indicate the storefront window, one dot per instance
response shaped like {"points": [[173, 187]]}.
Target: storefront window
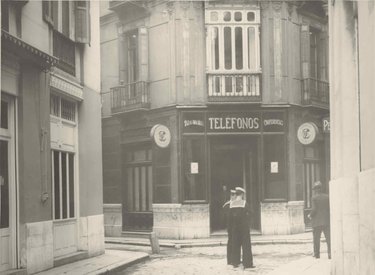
{"points": [[274, 167], [194, 169]]}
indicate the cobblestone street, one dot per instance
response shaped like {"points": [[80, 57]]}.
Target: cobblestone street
{"points": [[212, 260]]}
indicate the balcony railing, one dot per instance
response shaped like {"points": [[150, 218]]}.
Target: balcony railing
{"points": [[234, 87], [315, 92], [130, 97]]}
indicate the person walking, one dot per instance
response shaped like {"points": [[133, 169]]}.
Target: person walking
{"points": [[229, 228], [239, 219], [320, 218]]}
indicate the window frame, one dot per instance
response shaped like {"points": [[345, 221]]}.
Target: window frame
{"points": [[67, 181], [220, 25]]}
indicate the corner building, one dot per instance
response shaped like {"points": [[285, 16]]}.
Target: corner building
{"points": [[50, 135], [203, 96]]}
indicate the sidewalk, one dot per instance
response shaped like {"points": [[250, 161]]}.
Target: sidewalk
{"points": [[216, 240], [306, 266], [111, 261]]}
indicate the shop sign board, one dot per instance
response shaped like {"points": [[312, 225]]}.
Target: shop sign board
{"points": [[273, 122], [193, 122], [326, 125], [233, 122], [307, 133]]}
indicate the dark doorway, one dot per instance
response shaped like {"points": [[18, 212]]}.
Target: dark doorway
{"points": [[234, 162]]}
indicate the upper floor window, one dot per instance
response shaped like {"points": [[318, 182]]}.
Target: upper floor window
{"points": [[233, 40], [70, 23], [63, 108], [318, 66]]}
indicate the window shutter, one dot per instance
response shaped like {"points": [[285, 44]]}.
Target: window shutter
{"points": [[47, 11], [323, 56], [82, 22], [143, 53], [305, 50]]}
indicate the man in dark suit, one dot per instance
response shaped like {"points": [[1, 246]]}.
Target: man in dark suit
{"points": [[320, 219]]}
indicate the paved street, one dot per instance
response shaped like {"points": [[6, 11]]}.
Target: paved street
{"points": [[212, 260]]}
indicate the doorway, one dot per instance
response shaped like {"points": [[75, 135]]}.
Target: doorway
{"points": [[7, 185], [234, 163]]}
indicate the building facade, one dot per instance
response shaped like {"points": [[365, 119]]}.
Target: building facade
{"points": [[51, 169], [203, 96], [352, 40]]}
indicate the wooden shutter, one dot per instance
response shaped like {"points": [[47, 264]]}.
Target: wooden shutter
{"points": [[82, 22], [323, 56], [305, 50], [47, 11], [143, 53]]}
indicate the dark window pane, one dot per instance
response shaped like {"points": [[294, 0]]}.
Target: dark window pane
{"points": [[228, 84], [4, 184], [56, 177], [55, 105], [238, 16], [239, 84], [65, 18], [239, 48], [71, 186], [64, 186], [5, 15], [132, 57], [226, 16], [217, 85], [4, 114], [250, 16], [227, 48], [68, 110], [216, 48]]}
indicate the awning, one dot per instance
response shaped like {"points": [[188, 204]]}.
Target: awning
{"points": [[26, 52]]}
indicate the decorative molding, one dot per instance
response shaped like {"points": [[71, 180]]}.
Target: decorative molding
{"points": [[170, 7], [277, 5], [66, 87]]}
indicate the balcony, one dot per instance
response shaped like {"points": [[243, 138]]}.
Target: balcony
{"points": [[234, 88], [130, 97], [315, 93]]}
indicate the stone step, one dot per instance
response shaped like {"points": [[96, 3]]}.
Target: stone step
{"points": [[70, 258], [21, 271]]}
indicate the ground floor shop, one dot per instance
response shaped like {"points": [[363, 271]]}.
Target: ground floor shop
{"points": [[178, 166]]}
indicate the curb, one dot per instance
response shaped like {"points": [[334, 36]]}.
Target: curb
{"points": [[211, 244], [121, 266]]}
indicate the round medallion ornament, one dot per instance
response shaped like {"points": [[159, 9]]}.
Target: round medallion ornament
{"points": [[161, 135], [307, 133]]}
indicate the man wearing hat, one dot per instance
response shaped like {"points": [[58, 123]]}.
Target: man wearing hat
{"points": [[320, 218], [239, 220], [229, 228]]}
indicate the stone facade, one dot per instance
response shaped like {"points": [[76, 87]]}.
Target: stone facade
{"points": [[352, 192], [113, 220], [181, 221], [281, 218]]}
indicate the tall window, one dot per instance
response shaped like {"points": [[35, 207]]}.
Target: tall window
{"points": [[63, 115], [233, 40], [63, 184], [233, 52], [69, 21]]}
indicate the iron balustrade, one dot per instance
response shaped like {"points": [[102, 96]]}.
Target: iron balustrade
{"points": [[244, 87], [130, 97], [64, 50], [315, 92]]}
